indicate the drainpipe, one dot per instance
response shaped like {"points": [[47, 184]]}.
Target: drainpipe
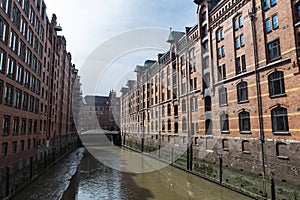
{"points": [[258, 90]]}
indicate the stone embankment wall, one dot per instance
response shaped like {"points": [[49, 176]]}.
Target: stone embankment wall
{"points": [[255, 169]]}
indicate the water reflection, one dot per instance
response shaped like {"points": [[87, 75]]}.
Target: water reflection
{"points": [[96, 181]]}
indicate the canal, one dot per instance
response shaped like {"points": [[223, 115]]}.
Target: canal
{"points": [[94, 180]]}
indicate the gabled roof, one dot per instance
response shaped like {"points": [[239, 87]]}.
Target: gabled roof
{"points": [[174, 36]]}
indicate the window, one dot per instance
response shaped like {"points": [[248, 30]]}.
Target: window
{"points": [[26, 78], [28, 57], [243, 63], [242, 92], [13, 44], [4, 149], [246, 147], [223, 96], [2, 60], [266, 4], [169, 109], [25, 6], [163, 111], [14, 147], [22, 50], [298, 11], [8, 95], [237, 43], [236, 24], [279, 120], [182, 60], [184, 128], [268, 25], [242, 40], [19, 74], [275, 21], [169, 125], [223, 51], [3, 30], [224, 123], [16, 16], [274, 50], [29, 127], [6, 126], [220, 35], [17, 99], [23, 27], [11, 64], [1, 91], [22, 146], [241, 21], [192, 104], [25, 101], [28, 144], [219, 53], [273, 2], [244, 122], [276, 84], [30, 36], [23, 126], [31, 103], [183, 105], [221, 72], [163, 125], [282, 151], [16, 126], [31, 15], [5, 4], [225, 145]]}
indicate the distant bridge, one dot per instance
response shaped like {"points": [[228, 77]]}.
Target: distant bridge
{"points": [[100, 138]]}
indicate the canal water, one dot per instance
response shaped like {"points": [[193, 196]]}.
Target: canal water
{"points": [[95, 181]]}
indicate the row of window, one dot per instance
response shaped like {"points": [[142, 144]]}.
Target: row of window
{"points": [[18, 100], [279, 119], [276, 89], [268, 3], [15, 148], [27, 126]]}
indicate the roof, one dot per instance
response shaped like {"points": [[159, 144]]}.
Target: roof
{"points": [[174, 36]]}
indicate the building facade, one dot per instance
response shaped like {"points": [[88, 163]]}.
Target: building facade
{"points": [[228, 92], [36, 82], [100, 112]]}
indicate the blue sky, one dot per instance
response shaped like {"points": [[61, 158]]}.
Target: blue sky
{"points": [[88, 24]]}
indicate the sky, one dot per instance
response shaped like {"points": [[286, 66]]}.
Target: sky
{"points": [[92, 28]]}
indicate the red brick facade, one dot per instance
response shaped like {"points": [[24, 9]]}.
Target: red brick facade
{"points": [[36, 82]]}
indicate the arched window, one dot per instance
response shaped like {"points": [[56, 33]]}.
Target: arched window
{"points": [[183, 104], [163, 125], [169, 125], [156, 126], [225, 145], [163, 111], [279, 120], [224, 123], [184, 124], [282, 151], [242, 92], [169, 109], [244, 122], [223, 96], [276, 84]]}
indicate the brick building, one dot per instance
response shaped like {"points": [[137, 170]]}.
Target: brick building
{"points": [[36, 82], [100, 112], [227, 89]]}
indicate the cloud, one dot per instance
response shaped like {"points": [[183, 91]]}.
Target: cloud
{"points": [[88, 24]]}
